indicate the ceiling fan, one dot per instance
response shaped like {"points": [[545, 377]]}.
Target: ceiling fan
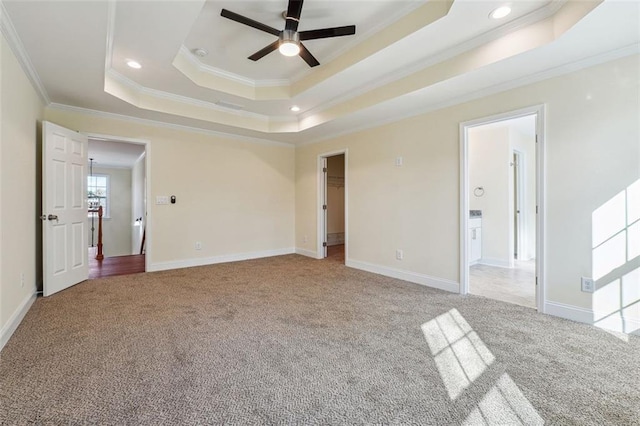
{"points": [[289, 39]]}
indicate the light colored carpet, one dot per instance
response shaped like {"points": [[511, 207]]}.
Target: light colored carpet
{"points": [[292, 340]]}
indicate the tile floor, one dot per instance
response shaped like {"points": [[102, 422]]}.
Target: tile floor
{"points": [[513, 285]]}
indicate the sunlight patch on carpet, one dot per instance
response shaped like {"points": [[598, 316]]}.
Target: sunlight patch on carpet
{"points": [[460, 355], [504, 404]]}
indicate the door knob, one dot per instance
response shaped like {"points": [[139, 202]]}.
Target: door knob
{"points": [[52, 217]]}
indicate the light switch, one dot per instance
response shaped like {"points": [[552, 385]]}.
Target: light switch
{"points": [[398, 161]]}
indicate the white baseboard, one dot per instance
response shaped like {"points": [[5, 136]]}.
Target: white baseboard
{"points": [[617, 322], [500, 263], [10, 327], [413, 277], [305, 252], [188, 263], [570, 312], [614, 322]]}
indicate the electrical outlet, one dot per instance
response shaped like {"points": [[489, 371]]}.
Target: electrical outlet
{"points": [[304, 239], [588, 285], [198, 245], [399, 254], [398, 161], [21, 279]]}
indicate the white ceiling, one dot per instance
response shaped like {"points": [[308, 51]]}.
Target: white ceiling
{"points": [[107, 153], [407, 56]]}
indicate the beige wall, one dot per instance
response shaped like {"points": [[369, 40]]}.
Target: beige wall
{"points": [[233, 196], [20, 115], [117, 228], [489, 158], [592, 134]]}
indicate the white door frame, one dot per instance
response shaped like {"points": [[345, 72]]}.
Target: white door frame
{"points": [[321, 188], [519, 190], [539, 112], [147, 173]]}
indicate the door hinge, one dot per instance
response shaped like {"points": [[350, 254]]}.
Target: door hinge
{"points": [[536, 280], [324, 207], [324, 170], [536, 209], [536, 138], [324, 244]]}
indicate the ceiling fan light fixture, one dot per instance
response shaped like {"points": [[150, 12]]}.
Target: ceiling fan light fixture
{"points": [[500, 12], [289, 43]]}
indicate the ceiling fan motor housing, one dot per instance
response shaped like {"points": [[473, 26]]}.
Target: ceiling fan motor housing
{"points": [[289, 36]]}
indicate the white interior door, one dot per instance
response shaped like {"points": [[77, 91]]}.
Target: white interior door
{"points": [[64, 216]]}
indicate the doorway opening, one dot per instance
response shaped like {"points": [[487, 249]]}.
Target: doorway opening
{"points": [[502, 166], [117, 182], [332, 226]]}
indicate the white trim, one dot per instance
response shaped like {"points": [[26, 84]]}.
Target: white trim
{"points": [[236, 109], [10, 327], [520, 189], [487, 91], [607, 321], [450, 52], [180, 127], [10, 34], [308, 253], [320, 226], [237, 78], [498, 263], [539, 112], [414, 277], [108, 138], [388, 20], [569, 312], [147, 170], [188, 263]]}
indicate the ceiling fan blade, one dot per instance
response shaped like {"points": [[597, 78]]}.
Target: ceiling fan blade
{"points": [[307, 56], [250, 22], [328, 32], [265, 51], [293, 15]]}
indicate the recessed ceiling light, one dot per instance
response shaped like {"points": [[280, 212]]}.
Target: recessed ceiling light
{"points": [[200, 52], [133, 64], [500, 12], [295, 108]]}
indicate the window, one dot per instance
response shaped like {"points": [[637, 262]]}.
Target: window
{"points": [[98, 194]]}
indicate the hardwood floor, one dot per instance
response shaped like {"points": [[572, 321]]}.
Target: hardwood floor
{"points": [[116, 265], [336, 253]]}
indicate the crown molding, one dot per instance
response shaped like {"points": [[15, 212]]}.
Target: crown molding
{"points": [[399, 13], [445, 54], [189, 56], [181, 99], [633, 49], [10, 34], [157, 123]]}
